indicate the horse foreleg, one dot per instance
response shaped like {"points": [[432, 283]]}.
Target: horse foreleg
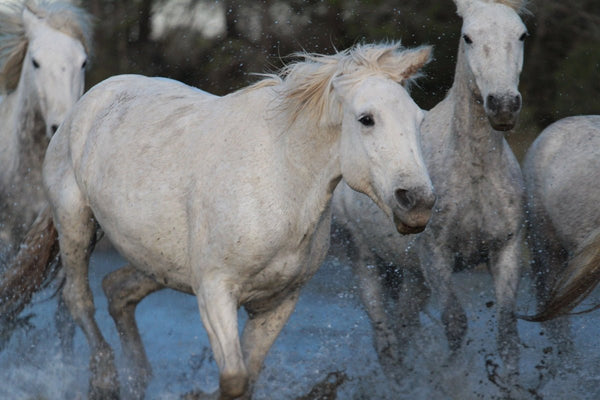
{"points": [[413, 295], [124, 289], [505, 267], [436, 267], [372, 294], [218, 310], [261, 330]]}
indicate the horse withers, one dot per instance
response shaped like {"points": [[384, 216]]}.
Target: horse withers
{"points": [[228, 198]]}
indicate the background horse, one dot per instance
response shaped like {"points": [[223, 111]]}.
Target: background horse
{"points": [[562, 171], [44, 47], [478, 215], [228, 198]]}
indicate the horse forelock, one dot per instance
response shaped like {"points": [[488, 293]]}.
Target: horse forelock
{"points": [[520, 6], [307, 85], [61, 16]]}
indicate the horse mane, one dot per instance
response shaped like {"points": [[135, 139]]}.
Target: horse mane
{"points": [[307, 84], [520, 6], [62, 16]]}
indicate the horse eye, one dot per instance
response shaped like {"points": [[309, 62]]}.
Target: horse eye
{"points": [[35, 63], [523, 37], [367, 120], [84, 64], [467, 39]]}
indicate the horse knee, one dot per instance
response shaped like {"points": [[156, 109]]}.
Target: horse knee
{"points": [[233, 384]]}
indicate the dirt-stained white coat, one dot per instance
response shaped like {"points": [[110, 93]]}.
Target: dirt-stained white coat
{"points": [[228, 197]]}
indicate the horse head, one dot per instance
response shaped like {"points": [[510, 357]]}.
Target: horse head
{"points": [[54, 68], [380, 152], [492, 45]]}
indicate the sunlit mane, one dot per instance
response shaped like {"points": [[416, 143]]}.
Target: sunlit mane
{"points": [[62, 16], [520, 6], [308, 83]]}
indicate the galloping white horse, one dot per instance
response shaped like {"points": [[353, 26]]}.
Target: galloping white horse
{"points": [[228, 198], [562, 171], [478, 215], [43, 53]]}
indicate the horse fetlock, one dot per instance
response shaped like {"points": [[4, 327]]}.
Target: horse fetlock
{"points": [[233, 385], [104, 382], [456, 325]]}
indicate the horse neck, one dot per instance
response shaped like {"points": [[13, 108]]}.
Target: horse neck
{"points": [[29, 129], [312, 158], [471, 133]]}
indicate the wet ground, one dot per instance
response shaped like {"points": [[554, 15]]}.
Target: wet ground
{"points": [[329, 333]]}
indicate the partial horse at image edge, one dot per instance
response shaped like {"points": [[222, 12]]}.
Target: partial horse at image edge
{"points": [[44, 48], [579, 279]]}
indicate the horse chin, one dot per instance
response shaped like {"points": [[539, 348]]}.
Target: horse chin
{"points": [[502, 127], [502, 124], [406, 229]]}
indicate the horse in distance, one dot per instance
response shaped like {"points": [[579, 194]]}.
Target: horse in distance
{"points": [[228, 198], [478, 214], [44, 48]]}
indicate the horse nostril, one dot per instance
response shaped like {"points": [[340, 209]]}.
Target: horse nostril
{"points": [[54, 128], [404, 198], [493, 103], [516, 103]]}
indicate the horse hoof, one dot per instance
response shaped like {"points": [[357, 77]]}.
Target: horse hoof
{"points": [[97, 393]]}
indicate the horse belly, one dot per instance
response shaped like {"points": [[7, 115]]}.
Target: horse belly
{"points": [[153, 239]]}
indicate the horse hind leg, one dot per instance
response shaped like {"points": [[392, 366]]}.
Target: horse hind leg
{"points": [[548, 260], [77, 228], [124, 289]]}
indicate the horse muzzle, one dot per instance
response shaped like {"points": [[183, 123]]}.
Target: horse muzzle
{"points": [[412, 210], [503, 110]]}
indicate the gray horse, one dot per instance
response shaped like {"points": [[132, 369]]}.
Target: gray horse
{"points": [[478, 214], [562, 171]]}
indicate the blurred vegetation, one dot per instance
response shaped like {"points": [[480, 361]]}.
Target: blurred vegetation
{"points": [[561, 75]]}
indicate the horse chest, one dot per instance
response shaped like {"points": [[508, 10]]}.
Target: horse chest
{"points": [[478, 212]]}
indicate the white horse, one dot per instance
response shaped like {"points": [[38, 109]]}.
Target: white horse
{"points": [[44, 48], [228, 198], [478, 215], [562, 171]]}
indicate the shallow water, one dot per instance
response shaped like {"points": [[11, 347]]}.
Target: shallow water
{"points": [[328, 331]]}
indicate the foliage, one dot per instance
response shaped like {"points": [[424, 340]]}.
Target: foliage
{"points": [[560, 76]]}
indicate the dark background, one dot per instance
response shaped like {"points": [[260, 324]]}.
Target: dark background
{"points": [[562, 55]]}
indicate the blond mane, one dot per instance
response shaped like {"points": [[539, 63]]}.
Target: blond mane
{"points": [[307, 84], [62, 16], [520, 6]]}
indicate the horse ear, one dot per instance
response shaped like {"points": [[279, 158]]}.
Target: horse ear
{"points": [[463, 5], [413, 60], [30, 20]]}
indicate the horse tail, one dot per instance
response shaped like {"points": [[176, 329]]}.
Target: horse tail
{"points": [[33, 268], [576, 282]]}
